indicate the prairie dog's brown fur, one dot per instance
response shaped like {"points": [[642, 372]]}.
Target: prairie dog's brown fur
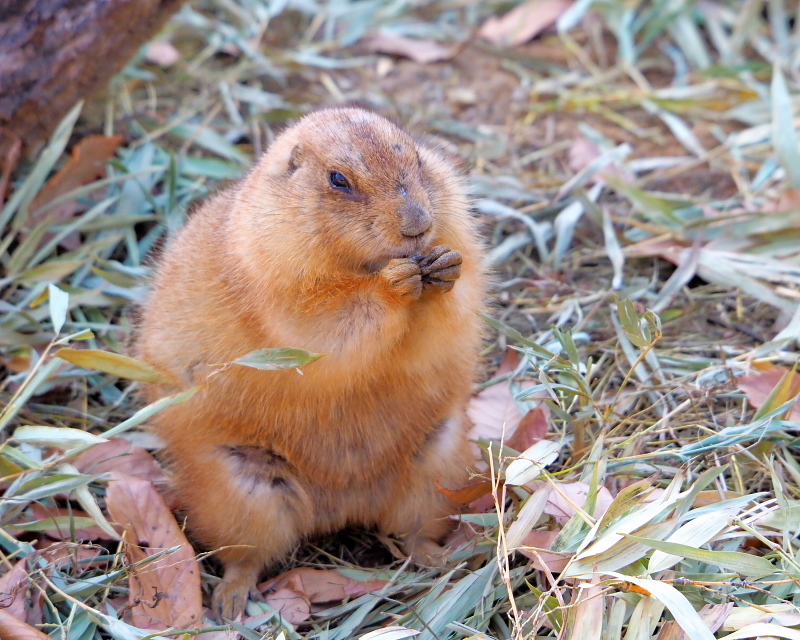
{"points": [[320, 247]]}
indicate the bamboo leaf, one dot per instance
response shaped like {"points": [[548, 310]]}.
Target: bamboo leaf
{"points": [[113, 363], [275, 359], [742, 563]]}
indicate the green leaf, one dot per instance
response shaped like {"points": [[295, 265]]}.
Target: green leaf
{"points": [[742, 563], [60, 523], [784, 134], [61, 437], [113, 363], [275, 359], [390, 633]]}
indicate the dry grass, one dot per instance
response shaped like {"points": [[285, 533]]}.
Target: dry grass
{"points": [[637, 172]]}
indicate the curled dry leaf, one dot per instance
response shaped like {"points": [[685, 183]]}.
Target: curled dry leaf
{"points": [[12, 628], [524, 22], [118, 454], [165, 592], [421, 51], [467, 494], [762, 382]]}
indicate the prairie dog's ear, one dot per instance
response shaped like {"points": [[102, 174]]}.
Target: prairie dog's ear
{"points": [[295, 156]]}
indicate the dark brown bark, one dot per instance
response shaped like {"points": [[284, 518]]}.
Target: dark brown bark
{"points": [[56, 52]]}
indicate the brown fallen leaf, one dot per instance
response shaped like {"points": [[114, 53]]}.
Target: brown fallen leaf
{"points": [[567, 495], [12, 628], [322, 585], [714, 615], [713, 496], [759, 384], [294, 592], [463, 536], [60, 554], [494, 413], [666, 246], [533, 427], [584, 151], [293, 606], [14, 587], [421, 51], [87, 164], [42, 512], [524, 22], [788, 200], [118, 454], [165, 592], [538, 542], [11, 148], [466, 494]]}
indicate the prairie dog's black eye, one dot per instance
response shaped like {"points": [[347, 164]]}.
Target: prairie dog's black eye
{"points": [[338, 181]]}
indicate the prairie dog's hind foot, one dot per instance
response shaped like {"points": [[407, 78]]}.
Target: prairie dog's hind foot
{"points": [[440, 268], [403, 277], [230, 596]]}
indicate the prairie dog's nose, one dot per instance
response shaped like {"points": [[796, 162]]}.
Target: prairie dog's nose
{"points": [[414, 219]]}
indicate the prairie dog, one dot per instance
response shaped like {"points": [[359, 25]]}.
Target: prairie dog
{"points": [[349, 239]]}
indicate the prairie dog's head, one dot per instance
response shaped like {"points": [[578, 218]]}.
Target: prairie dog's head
{"points": [[360, 183]]}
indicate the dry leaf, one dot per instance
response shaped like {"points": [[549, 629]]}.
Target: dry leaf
{"points": [[322, 585], [13, 589], [759, 384], [464, 535], [293, 592], [566, 494], [12, 628], [293, 606], [118, 454], [494, 413], [524, 22], [788, 200], [163, 54], [533, 427], [87, 164], [166, 592], [467, 494], [541, 539], [60, 554], [714, 615], [421, 51], [582, 152], [666, 246]]}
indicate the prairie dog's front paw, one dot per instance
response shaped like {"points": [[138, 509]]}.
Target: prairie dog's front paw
{"points": [[403, 277], [440, 268]]}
